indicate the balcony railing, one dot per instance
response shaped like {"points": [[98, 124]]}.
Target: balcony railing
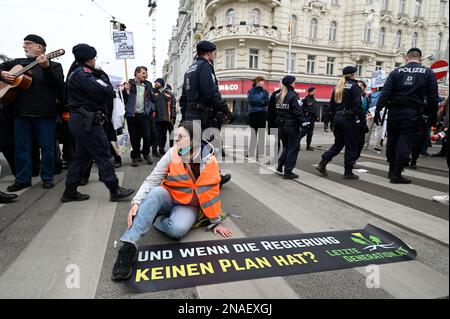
{"points": [[251, 31]]}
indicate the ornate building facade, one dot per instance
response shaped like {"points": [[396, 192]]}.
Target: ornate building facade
{"points": [[313, 40]]}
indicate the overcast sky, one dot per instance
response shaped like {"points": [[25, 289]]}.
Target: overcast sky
{"points": [[65, 23]]}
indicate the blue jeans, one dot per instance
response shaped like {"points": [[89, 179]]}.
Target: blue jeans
{"points": [[44, 130], [174, 220]]}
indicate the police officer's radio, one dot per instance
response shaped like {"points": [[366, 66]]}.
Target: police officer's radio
{"points": [[23, 79]]}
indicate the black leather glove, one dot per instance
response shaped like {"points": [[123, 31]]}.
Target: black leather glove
{"points": [[377, 118]]}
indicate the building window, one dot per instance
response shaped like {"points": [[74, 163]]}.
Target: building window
{"points": [[335, 3], [311, 64], [293, 27], [254, 57], [330, 66], [442, 7], [291, 67], [379, 66], [382, 37], [385, 5], [359, 69], [439, 42], [333, 31], [229, 58], [368, 32], [418, 8], [231, 17], [255, 17], [398, 39], [414, 39], [313, 28], [401, 6]]}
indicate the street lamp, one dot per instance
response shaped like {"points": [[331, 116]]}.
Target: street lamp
{"points": [[191, 30]]}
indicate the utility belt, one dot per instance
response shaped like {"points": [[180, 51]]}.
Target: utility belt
{"points": [[346, 112], [97, 118], [206, 114]]}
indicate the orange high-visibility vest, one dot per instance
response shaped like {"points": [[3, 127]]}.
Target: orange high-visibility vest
{"points": [[207, 187]]}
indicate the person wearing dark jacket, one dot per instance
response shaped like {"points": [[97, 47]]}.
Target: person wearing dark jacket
{"points": [[162, 117], [258, 99], [88, 92], [173, 112], [346, 105], [309, 104], [35, 112], [201, 99], [289, 118], [139, 106], [404, 92]]}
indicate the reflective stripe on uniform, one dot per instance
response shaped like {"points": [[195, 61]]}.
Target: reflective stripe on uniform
{"points": [[203, 189], [212, 201], [187, 190], [178, 178]]}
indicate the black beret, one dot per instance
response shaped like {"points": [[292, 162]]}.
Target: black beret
{"points": [[84, 52], [288, 80], [161, 82], [349, 70], [311, 89], [36, 39], [414, 50], [205, 46]]}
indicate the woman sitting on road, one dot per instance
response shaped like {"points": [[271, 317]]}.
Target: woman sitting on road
{"points": [[183, 188]]}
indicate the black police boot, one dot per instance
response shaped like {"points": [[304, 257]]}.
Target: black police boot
{"points": [[280, 168], [322, 167], [72, 195], [123, 267], [348, 174], [413, 164], [290, 175], [7, 198], [309, 148], [135, 162], [120, 193], [391, 171], [224, 179], [397, 177], [149, 159]]}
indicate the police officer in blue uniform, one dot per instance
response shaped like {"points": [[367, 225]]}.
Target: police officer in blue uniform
{"points": [[88, 91], [404, 93], [200, 98], [345, 103], [289, 118]]}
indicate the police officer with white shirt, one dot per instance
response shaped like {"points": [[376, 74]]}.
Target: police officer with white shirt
{"points": [[404, 92]]}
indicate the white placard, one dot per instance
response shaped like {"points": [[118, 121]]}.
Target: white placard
{"points": [[123, 45], [378, 78]]}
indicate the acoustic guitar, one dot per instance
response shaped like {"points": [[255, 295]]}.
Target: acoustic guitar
{"points": [[23, 79]]}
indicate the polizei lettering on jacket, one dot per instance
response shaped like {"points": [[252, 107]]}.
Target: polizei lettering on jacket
{"points": [[412, 70], [282, 106]]}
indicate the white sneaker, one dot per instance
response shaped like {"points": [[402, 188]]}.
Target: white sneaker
{"points": [[441, 199]]}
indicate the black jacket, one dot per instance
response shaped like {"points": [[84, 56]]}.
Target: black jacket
{"points": [[408, 86], [351, 100], [89, 88], [164, 106], [309, 104], [289, 112], [46, 86], [201, 86]]}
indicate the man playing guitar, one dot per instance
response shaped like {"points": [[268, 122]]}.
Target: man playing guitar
{"points": [[35, 111]]}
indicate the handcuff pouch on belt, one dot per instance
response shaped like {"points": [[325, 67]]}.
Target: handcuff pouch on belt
{"points": [[92, 118]]}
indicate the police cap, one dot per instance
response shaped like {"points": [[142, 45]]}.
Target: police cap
{"points": [[36, 39], [205, 46], [84, 52], [288, 80], [349, 70]]}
